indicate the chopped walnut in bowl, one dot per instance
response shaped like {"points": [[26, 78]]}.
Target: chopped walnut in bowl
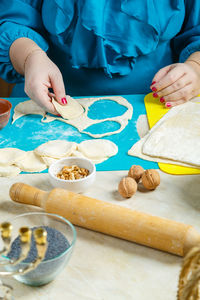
{"points": [[72, 173], [75, 174]]}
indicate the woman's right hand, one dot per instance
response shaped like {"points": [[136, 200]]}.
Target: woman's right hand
{"points": [[41, 74]]}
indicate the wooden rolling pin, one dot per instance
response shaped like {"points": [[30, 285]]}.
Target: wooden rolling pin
{"points": [[111, 219]]}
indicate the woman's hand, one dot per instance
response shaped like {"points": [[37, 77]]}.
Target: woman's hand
{"points": [[41, 74], [177, 83]]}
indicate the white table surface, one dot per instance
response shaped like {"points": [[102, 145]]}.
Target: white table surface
{"points": [[103, 267]]}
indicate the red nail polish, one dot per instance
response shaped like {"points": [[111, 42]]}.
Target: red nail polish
{"points": [[168, 104], [64, 100], [155, 95], [154, 89], [162, 99], [153, 82]]}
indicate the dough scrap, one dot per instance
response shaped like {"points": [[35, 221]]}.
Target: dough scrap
{"points": [[56, 149], [27, 108], [70, 111], [98, 149], [8, 156], [31, 163], [9, 171], [82, 121], [179, 112]]}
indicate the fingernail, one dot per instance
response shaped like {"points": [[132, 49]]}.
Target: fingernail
{"points": [[154, 89], [153, 82], [155, 95], [162, 99], [64, 100], [168, 104]]}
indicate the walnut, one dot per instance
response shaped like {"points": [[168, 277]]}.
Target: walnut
{"points": [[72, 173], [136, 172], [127, 187], [151, 179]]}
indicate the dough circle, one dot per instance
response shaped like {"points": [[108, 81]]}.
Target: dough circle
{"points": [[70, 111], [56, 149]]}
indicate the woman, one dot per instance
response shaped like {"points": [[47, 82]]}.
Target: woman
{"points": [[101, 47]]}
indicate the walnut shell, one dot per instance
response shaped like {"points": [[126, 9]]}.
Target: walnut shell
{"points": [[136, 172], [151, 179], [127, 187]]}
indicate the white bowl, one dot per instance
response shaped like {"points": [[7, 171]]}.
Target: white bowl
{"points": [[77, 185]]}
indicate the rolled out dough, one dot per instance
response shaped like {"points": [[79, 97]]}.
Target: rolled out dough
{"points": [[166, 140], [81, 121], [27, 108], [178, 137]]}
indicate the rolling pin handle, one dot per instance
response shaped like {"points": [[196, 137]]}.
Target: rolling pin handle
{"points": [[26, 194]]}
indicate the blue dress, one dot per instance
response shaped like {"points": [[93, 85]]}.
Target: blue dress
{"points": [[102, 46]]}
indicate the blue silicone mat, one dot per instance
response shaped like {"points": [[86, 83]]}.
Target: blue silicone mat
{"points": [[29, 132]]}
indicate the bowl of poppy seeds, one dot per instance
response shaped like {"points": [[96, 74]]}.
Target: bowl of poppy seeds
{"points": [[61, 238]]}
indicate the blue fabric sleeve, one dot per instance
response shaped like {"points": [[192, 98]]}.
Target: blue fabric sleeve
{"points": [[18, 18], [188, 41]]}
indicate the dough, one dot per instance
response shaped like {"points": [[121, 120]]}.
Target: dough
{"points": [[98, 149], [9, 171], [70, 111], [56, 149], [136, 150], [82, 121], [8, 156], [168, 144], [48, 160], [96, 161], [178, 137], [31, 163], [26, 108], [142, 126]]}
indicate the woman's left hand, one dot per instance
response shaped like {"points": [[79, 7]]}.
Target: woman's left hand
{"points": [[177, 83]]}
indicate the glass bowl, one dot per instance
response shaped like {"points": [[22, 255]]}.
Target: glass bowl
{"points": [[48, 269]]}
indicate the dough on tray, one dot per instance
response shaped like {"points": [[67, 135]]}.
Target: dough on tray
{"points": [[56, 149], [31, 162], [175, 138], [70, 111], [8, 156], [178, 138]]}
